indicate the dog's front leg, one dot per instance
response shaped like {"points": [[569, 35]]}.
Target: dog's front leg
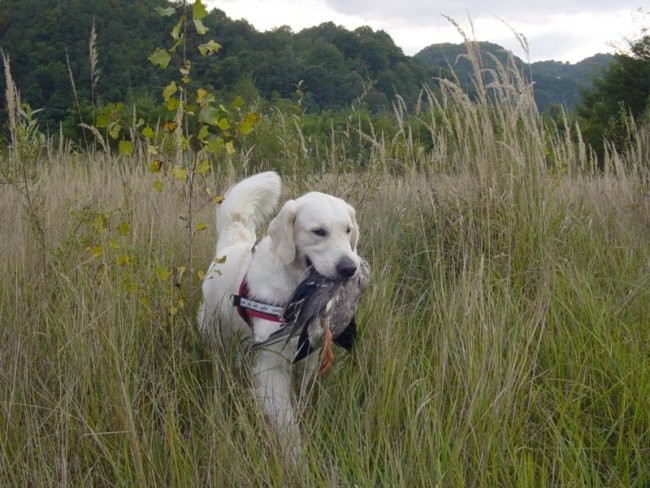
{"points": [[273, 392]]}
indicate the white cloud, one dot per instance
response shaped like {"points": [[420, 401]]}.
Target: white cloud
{"points": [[567, 30], [298, 14], [563, 37], [421, 12]]}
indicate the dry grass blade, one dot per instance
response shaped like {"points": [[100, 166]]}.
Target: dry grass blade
{"points": [[94, 62]]}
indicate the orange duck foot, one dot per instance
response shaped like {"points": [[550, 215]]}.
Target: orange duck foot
{"points": [[326, 353]]}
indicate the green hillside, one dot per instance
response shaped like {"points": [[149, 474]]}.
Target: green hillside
{"points": [[556, 82], [41, 36], [334, 64], [48, 44]]}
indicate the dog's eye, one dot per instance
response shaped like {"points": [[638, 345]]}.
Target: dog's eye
{"points": [[348, 230], [319, 232]]}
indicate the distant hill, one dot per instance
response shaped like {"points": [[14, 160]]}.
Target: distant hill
{"points": [[41, 37], [556, 82], [561, 82]]}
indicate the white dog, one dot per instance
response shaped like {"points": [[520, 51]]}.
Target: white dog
{"points": [[316, 230]]}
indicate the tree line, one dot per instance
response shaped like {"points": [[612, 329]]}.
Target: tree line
{"points": [[332, 67]]}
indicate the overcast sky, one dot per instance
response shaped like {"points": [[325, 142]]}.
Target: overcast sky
{"points": [[563, 30]]}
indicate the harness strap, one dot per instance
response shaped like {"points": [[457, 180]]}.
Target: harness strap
{"points": [[249, 308]]}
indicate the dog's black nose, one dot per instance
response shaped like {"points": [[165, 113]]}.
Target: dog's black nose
{"points": [[346, 267]]}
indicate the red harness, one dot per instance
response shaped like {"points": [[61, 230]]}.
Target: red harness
{"points": [[249, 308]]}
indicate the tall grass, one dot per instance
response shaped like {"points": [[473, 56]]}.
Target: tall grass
{"points": [[505, 339]]}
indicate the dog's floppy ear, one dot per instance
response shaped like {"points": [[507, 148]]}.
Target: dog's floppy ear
{"points": [[355, 228], [281, 232]]}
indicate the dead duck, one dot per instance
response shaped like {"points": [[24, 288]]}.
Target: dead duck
{"points": [[321, 312]]}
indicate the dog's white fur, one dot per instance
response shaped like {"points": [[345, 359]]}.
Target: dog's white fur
{"points": [[316, 228]]}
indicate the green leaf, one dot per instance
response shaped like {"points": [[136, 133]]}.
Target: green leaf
{"points": [[209, 47], [165, 12], [96, 251], [100, 222], [162, 272], [171, 104], [201, 94], [198, 10], [101, 121], [201, 226], [203, 132], [148, 132], [238, 102], [223, 124], [200, 28], [160, 58], [185, 143], [129, 286], [125, 147], [123, 228], [157, 186], [169, 90], [114, 130], [246, 126], [176, 44], [209, 115], [203, 167], [175, 33], [214, 145], [203, 97], [230, 148], [179, 173]]}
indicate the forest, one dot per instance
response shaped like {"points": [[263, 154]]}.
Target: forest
{"points": [[48, 44]]}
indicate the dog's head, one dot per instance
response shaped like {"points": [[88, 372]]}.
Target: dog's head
{"points": [[317, 230]]}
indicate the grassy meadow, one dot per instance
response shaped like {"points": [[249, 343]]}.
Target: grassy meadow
{"points": [[504, 339]]}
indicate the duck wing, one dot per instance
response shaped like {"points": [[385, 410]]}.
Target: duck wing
{"points": [[307, 302], [321, 302]]}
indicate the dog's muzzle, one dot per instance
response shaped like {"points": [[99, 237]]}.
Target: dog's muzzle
{"points": [[346, 267]]}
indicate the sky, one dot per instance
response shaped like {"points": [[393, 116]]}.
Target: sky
{"points": [[561, 30]]}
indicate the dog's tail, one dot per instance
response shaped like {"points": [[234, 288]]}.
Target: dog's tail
{"points": [[245, 206]]}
